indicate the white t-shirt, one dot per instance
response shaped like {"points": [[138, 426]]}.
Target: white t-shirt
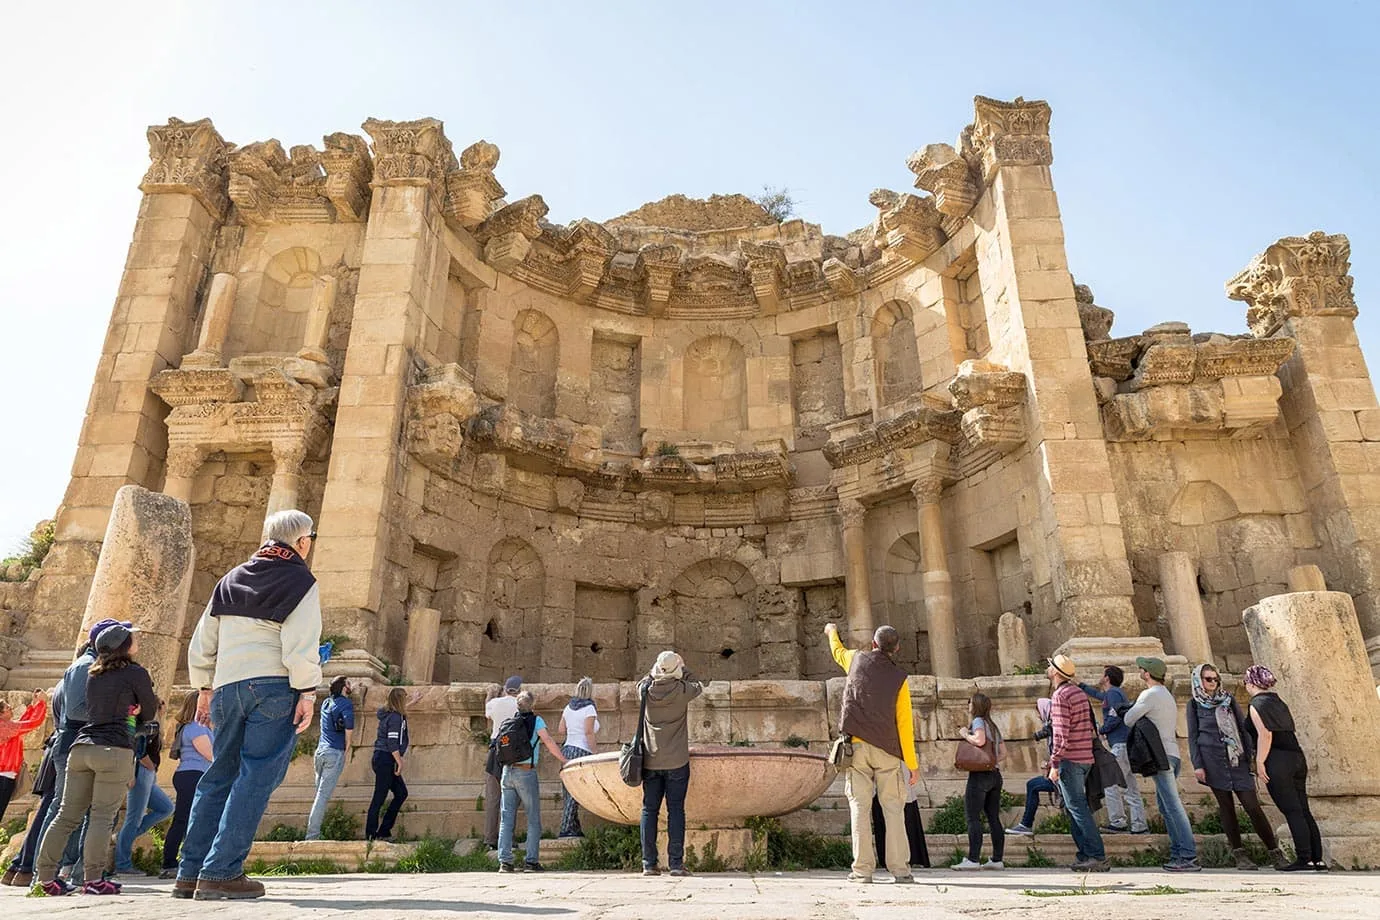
{"points": [[499, 710], [575, 735]]}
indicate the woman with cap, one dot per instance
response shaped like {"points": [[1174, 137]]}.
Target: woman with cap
{"points": [[1221, 751], [1281, 766], [668, 690], [580, 725], [100, 766]]}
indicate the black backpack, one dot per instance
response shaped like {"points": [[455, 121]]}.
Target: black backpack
{"points": [[513, 743]]}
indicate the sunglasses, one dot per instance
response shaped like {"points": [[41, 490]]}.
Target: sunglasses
{"points": [[311, 536], [1209, 680]]}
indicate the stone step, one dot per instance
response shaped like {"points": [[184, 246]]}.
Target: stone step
{"points": [[39, 668]]}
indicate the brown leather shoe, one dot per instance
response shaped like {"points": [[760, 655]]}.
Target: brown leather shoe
{"points": [[184, 888], [232, 889], [22, 879]]}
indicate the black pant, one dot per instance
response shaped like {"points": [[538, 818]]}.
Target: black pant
{"points": [[1288, 786], [1232, 827], [983, 796], [915, 834], [6, 792], [386, 780], [184, 786], [24, 862]]}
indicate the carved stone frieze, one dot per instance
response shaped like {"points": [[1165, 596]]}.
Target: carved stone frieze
{"points": [[189, 157], [268, 186], [982, 383], [945, 174], [1114, 358], [841, 278], [349, 173], [283, 412], [1165, 362], [1296, 277], [659, 264], [472, 189], [1243, 357], [187, 387], [905, 430], [1010, 134], [411, 153]]}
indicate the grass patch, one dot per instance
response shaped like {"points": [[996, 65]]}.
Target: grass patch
{"points": [[1148, 858], [1035, 858], [339, 824], [1159, 889], [1080, 891], [790, 851], [956, 857], [795, 741], [285, 833], [610, 848], [1056, 823], [1009, 800], [707, 861], [294, 867], [437, 854], [948, 818]]}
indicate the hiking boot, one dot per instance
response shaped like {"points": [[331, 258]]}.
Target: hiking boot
{"points": [[22, 879], [1020, 830], [1243, 860], [168, 873], [903, 879], [650, 871], [230, 889], [8, 878], [1183, 865], [1114, 829], [183, 888], [1091, 865], [104, 886], [682, 872]]}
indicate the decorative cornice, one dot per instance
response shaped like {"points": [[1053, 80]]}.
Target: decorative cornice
{"points": [[1296, 277], [411, 153], [268, 186], [991, 399], [472, 189], [1010, 134], [940, 170], [908, 429], [908, 225], [349, 173], [189, 157]]}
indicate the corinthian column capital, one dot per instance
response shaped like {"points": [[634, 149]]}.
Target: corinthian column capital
{"points": [[411, 153], [1010, 134], [189, 157], [1297, 276], [852, 512]]}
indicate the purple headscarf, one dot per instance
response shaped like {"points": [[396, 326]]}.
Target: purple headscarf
{"points": [[1257, 675]]}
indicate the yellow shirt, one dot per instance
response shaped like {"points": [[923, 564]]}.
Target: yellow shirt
{"points": [[905, 720]]}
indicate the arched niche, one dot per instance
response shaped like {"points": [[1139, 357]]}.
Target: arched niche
{"points": [[514, 591], [712, 618], [896, 354], [274, 305], [905, 602], [715, 388], [532, 364]]}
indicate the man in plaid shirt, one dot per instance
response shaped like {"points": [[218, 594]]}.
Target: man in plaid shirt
{"points": [[1071, 759]]}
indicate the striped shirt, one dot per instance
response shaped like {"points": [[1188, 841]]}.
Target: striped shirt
{"points": [[1071, 715]]}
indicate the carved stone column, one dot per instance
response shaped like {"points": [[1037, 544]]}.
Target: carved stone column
{"points": [[858, 588], [287, 476], [939, 591], [319, 319], [423, 634], [215, 327], [180, 469], [1183, 606]]}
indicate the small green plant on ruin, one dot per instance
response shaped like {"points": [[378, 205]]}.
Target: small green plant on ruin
{"points": [[30, 555], [777, 202], [340, 824]]}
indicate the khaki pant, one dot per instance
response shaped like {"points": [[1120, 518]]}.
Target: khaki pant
{"points": [[875, 771], [493, 799], [98, 777]]}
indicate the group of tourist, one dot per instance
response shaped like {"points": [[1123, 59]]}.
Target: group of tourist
{"points": [[255, 662]]}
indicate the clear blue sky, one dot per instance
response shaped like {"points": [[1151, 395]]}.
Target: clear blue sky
{"points": [[1187, 136]]}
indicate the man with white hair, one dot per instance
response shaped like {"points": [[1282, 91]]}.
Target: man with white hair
{"points": [[255, 656], [668, 690]]}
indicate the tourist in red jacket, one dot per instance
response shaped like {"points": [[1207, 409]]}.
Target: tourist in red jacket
{"points": [[12, 742]]}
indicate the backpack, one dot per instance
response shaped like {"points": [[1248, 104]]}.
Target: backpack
{"points": [[513, 743]]}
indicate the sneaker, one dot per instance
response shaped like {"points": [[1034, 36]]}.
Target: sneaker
{"points": [[1091, 865], [1183, 865], [104, 886], [857, 878], [903, 879], [965, 864], [242, 888], [1020, 830], [1321, 867], [184, 888], [533, 867], [1139, 831], [506, 867], [650, 871], [1114, 829], [994, 864], [1297, 867], [168, 873], [682, 872]]}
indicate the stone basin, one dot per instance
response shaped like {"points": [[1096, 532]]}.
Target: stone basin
{"points": [[727, 785]]}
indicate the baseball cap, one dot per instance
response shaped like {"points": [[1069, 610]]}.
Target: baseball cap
{"points": [[1153, 666], [112, 637], [98, 628], [512, 683]]}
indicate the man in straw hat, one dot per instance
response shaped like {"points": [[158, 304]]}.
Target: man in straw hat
{"points": [[1071, 759]]}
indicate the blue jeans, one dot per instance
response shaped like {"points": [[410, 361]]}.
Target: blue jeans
{"points": [[252, 747], [519, 784], [145, 806], [1073, 786], [671, 785], [1033, 787], [329, 764], [1181, 843]]}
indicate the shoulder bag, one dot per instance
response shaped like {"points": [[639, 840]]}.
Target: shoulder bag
{"points": [[630, 757]]}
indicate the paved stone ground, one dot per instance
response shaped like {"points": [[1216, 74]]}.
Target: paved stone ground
{"points": [[1130, 894]]}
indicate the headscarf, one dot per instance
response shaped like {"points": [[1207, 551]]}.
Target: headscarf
{"points": [[1260, 676], [1042, 706], [668, 664], [1220, 702]]}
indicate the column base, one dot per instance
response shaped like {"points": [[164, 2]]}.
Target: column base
{"points": [[355, 664], [1091, 654], [737, 847], [1350, 827]]}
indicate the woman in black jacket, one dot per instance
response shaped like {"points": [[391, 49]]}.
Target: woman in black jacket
{"points": [[389, 749], [1222, 751]]}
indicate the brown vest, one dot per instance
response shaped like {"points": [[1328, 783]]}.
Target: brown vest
{"points": [[869, 701]]}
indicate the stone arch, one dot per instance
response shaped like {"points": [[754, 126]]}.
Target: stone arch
{"points": [[895, 352], [712, 618], [1202, 502], [273, 308], [532, 364], [514, 594], [905, 602], [715, 388]]}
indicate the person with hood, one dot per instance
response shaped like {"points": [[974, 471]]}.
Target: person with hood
{"points": [[255, 659], [12, 734], [668, 690], [580, 725], [390, 746], [1037, 784], [877, 717]]}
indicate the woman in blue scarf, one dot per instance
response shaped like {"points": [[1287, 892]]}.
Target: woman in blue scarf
{"points": [[580, 724], [1222, 752]]}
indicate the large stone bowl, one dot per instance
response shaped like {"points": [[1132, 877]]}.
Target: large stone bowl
{"points": [[727, 785]]}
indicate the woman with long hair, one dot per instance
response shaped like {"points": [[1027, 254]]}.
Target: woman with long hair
{"points": [[191, 747], [390, 746], [1283, 769], [1222, 751], [100, 767], [580, 726], [983, 794]]}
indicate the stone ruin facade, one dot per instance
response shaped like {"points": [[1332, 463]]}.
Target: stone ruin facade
{"points": [[555, 450]]}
